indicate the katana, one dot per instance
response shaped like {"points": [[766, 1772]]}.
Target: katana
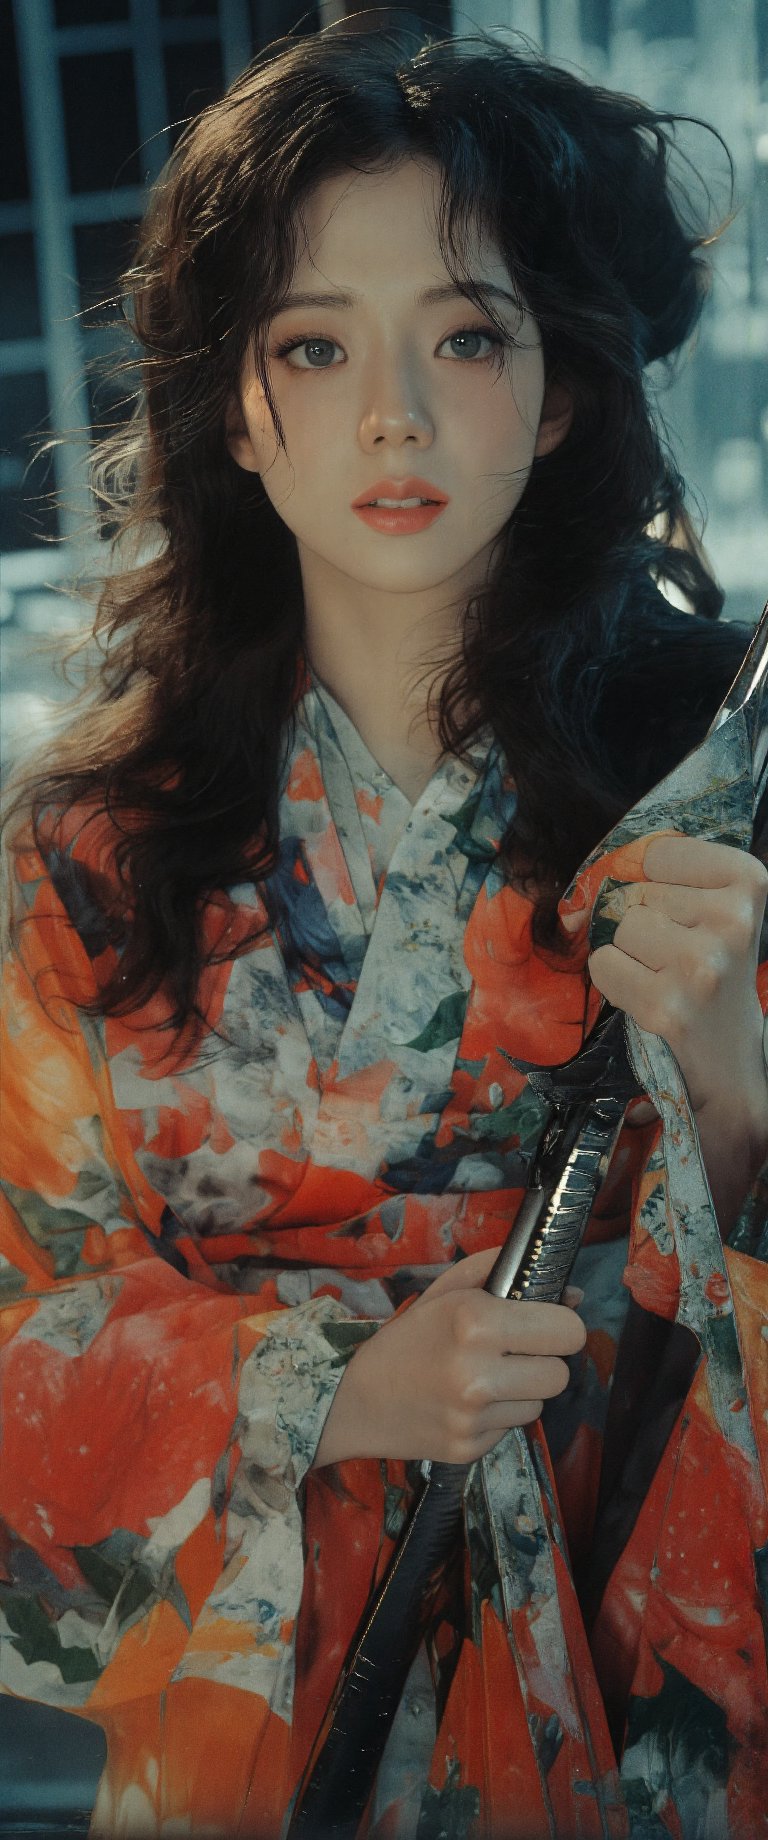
{"points": [[587, 1097]]}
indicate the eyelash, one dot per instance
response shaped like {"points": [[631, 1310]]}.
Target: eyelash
{"points": [[294, 344]]}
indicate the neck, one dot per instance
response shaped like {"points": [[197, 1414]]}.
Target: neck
{"points": [[381, 670]]}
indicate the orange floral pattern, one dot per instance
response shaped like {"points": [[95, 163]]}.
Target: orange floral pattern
{"points": [[197, 1236]]}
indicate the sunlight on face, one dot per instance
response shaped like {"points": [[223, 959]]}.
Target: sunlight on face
{"points": [[390, 386]]}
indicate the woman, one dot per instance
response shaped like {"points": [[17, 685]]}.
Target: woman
{"points": [[289, 902]]}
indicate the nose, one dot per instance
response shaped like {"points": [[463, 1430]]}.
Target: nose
{"points": [[395, 411]]}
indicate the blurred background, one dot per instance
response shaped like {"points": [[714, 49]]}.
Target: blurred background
{"points": [[94, 93]]}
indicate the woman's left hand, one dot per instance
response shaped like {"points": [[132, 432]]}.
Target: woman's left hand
{"points": [[683, 964]]}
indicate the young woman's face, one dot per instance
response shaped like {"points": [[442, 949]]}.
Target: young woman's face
{"points": [[390, 388]]}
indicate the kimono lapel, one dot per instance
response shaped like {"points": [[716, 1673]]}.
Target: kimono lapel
{"points": [[317, 921], [343, 919], [446, 849], [369, 810]]}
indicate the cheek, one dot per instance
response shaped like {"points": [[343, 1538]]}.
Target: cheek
{"points": [[505, 418], [518, 412], [311, 430], [503, 454]]}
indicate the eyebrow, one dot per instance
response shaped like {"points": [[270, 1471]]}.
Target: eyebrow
{"points": [[431, 296]]}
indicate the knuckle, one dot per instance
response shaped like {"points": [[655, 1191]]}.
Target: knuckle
{"points": [[459, 1423], [477, 1393], [466, 1317], [458, 1382], [706, 975], [456, 1431], [460, 1443], [668, 1016], [463, 1434], [758, 876], [471, 1393], [743, 921], [676, 1009]]}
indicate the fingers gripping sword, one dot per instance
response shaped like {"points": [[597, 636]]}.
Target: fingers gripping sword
{"points": [[587, 1098]]}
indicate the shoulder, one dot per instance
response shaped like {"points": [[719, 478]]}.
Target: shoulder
{"points": [[666, 676], [67, 859], [68, 912], [79, 896]]}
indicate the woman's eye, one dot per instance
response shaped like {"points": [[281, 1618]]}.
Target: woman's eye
{"points": [[306, 344], [493, 339], [311, 345]]}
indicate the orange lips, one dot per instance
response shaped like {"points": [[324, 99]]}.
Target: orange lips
{"points": [[398, 523]]}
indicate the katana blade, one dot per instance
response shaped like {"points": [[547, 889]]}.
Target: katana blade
{"points": [[747, 702]]}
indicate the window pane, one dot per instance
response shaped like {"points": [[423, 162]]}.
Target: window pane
{"points": [[25, 515], [188, 9], [19, 304], [90, 12], [761, 22], [434, 16], [272, 19], [100, 117], [194, 76], [14, 178], [729, 396], [102, 251], [595, 22], [668, 18]]}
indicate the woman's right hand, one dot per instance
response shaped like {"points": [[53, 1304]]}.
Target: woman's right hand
{"points": [[449, 1376]]}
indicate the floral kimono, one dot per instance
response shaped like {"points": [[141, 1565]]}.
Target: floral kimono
{"points": [[198, 1234]]}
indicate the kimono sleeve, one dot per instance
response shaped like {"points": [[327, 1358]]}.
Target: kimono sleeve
{"points": [[750, 1234], [151, 1423]]}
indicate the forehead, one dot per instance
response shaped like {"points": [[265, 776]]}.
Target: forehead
{"points": [[369, 221]]}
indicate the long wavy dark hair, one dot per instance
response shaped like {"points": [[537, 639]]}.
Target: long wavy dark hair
{"points": [[592, 682]]}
